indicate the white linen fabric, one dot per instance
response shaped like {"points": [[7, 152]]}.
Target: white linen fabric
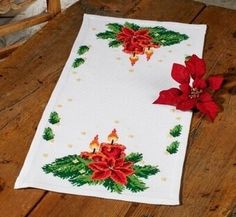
{"points": [[102, 92]]}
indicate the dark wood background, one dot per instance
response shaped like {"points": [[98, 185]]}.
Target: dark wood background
{"points": [[29, 75]]}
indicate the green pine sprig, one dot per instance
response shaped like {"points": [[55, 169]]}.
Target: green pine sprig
{"points": [[48, 134], [134, 157], [145, 171], [113, 186], [83, 49], [114, 27], [132, 26], [67, 167], [107, 35], [54, 118], [173, 147], [77, 62], [176, 131], [135, 184], [115, 43]]}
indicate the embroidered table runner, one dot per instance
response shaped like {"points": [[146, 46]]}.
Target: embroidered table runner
{"points": [[100, 134]]}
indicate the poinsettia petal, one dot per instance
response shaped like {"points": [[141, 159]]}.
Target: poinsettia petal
{"points": [[101, 165], [209, 108], [141, 32], [215, 82], [186, 105], [168, 97], [118, 176], [185, 88], [101, 175], [180, 73], [196, 66], [126, 171], [128, 31], [199, 83], [127, 164], [205, 97]]}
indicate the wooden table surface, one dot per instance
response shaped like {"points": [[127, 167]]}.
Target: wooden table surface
{"points": [[29, 75]]}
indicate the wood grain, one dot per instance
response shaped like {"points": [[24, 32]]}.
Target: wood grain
{"points": [[28, 77]]}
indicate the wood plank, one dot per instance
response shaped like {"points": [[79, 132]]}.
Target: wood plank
{"points": [[28, 22], [209, 187], [27, 79], [6, 51], [67, 205]]}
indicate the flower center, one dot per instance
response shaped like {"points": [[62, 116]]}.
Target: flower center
{"points": [[195, 93]]}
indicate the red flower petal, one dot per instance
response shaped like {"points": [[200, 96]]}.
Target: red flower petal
{"points": [[196, 66], [168, 97], [180, 73], [215, 82], [118, 176], [101, 175], [128, 31], [209, 108], [185, 88], [205, 97], [127, 171], [101, 165], [199, 83], [186, 105]]}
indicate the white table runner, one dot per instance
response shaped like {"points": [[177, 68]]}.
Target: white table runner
{"points": [[100, 135]]}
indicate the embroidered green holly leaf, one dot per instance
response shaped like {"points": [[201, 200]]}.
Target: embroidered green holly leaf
{"points": [[145, 171], [67, 167], [173, 147], [134, 157], [113, 186], [78, 62], [115, 43], [176, 131], [48, 134], [83, 49], [134, 184], [54, 118], [132, 26], [107, 35], [115, 27]]}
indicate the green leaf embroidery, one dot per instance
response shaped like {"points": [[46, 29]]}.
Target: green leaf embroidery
{"points": [[134, 157], [77, 62], [113, 186], [83, 49], [173, 147], [79, 180], [107, 35], [54, 118], [168, 38], [176, 131], [115, 43], [68, 166], [135, 184], [114, 27], [145, 171], [48, 134], [132, 26]]}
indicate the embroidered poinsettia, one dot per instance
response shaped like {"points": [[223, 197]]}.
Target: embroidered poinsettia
{"points": [[195, 93], [134, 41], [116, 169]]}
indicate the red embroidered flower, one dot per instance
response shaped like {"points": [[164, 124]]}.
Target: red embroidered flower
{"points": [[135, 41], [116, 169], [192, 96], [112, 150]]}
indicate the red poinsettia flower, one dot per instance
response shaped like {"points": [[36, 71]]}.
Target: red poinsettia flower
{"points": [[196, 95], [135, 41], [116, 169], [112, 150]]}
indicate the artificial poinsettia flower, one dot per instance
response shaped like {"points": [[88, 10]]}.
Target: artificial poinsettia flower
{"points": [[112, 150], [195, 93], [116, 169]]}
